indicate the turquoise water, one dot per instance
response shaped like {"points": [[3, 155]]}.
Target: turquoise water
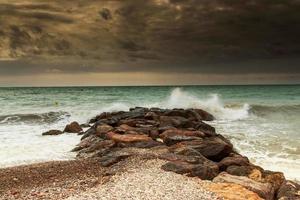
{"points": [[262, 121]]}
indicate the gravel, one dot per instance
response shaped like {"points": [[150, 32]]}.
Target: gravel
{"points": [[144, 179]]}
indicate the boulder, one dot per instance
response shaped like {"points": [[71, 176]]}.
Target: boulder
{"points": [[175, 121], [233, 160], [264, 190], [232, 191], [213, 148], [74, 127], [275, 178], [174, 136], [52, 132], [251, 171], [289, 191], [205, 128], [206, 170], [127, 138], [204, 115], [190, 162], [102, 129]]}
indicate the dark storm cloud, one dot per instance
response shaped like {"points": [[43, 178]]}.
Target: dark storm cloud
{"points": [[175, 36]]}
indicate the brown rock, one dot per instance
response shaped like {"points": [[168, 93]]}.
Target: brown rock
{"points": [[205, 128], [86, 142], [97, 149], [213, 148], [74, 127], [191, 163], [206, 170], [264, 190], [127, 138], [204, 115], [251, 171], [53, 132], [233, 160], [275, 178], [289, 191], [174, 136], [102, 129], [175, 121], [230, 191]]}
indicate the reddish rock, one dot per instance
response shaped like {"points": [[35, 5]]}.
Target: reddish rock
{"points": [[230, 191], [127, 138], [74, 127], [53, 132], [264, 190], [174, 136]]}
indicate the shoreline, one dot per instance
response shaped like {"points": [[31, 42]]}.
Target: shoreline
{"points": [[121, 146]]}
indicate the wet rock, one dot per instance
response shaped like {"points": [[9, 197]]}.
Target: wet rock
{"points": [[127, 138], [89, 132], [204, 115], [205, 128], [113, 158], [102, 129], [264, 190], [289, 191], [232, 191], [74, 127], [87, 142], [233, 160], [213, 148], [52, 132]]}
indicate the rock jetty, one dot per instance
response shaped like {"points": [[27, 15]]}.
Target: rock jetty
{"points": [[187, 144]]}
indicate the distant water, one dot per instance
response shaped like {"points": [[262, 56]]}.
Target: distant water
{"points": [[263, 122]]}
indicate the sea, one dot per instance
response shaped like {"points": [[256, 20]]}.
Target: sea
{"points": [[262, 121]]}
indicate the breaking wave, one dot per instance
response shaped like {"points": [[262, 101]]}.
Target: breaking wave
{"points": [[49, 117], [212, 104]]}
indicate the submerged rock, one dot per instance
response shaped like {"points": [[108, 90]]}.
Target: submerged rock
{"points": [[53, 132]]}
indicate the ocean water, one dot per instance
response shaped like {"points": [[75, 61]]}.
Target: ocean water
{"points": [[263, 122]]}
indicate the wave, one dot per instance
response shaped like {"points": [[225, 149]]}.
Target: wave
{"points": [[263, 110], [49, 117], [212, 104]]}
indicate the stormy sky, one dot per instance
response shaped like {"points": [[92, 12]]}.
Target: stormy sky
{"points": [[153, 42]]}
